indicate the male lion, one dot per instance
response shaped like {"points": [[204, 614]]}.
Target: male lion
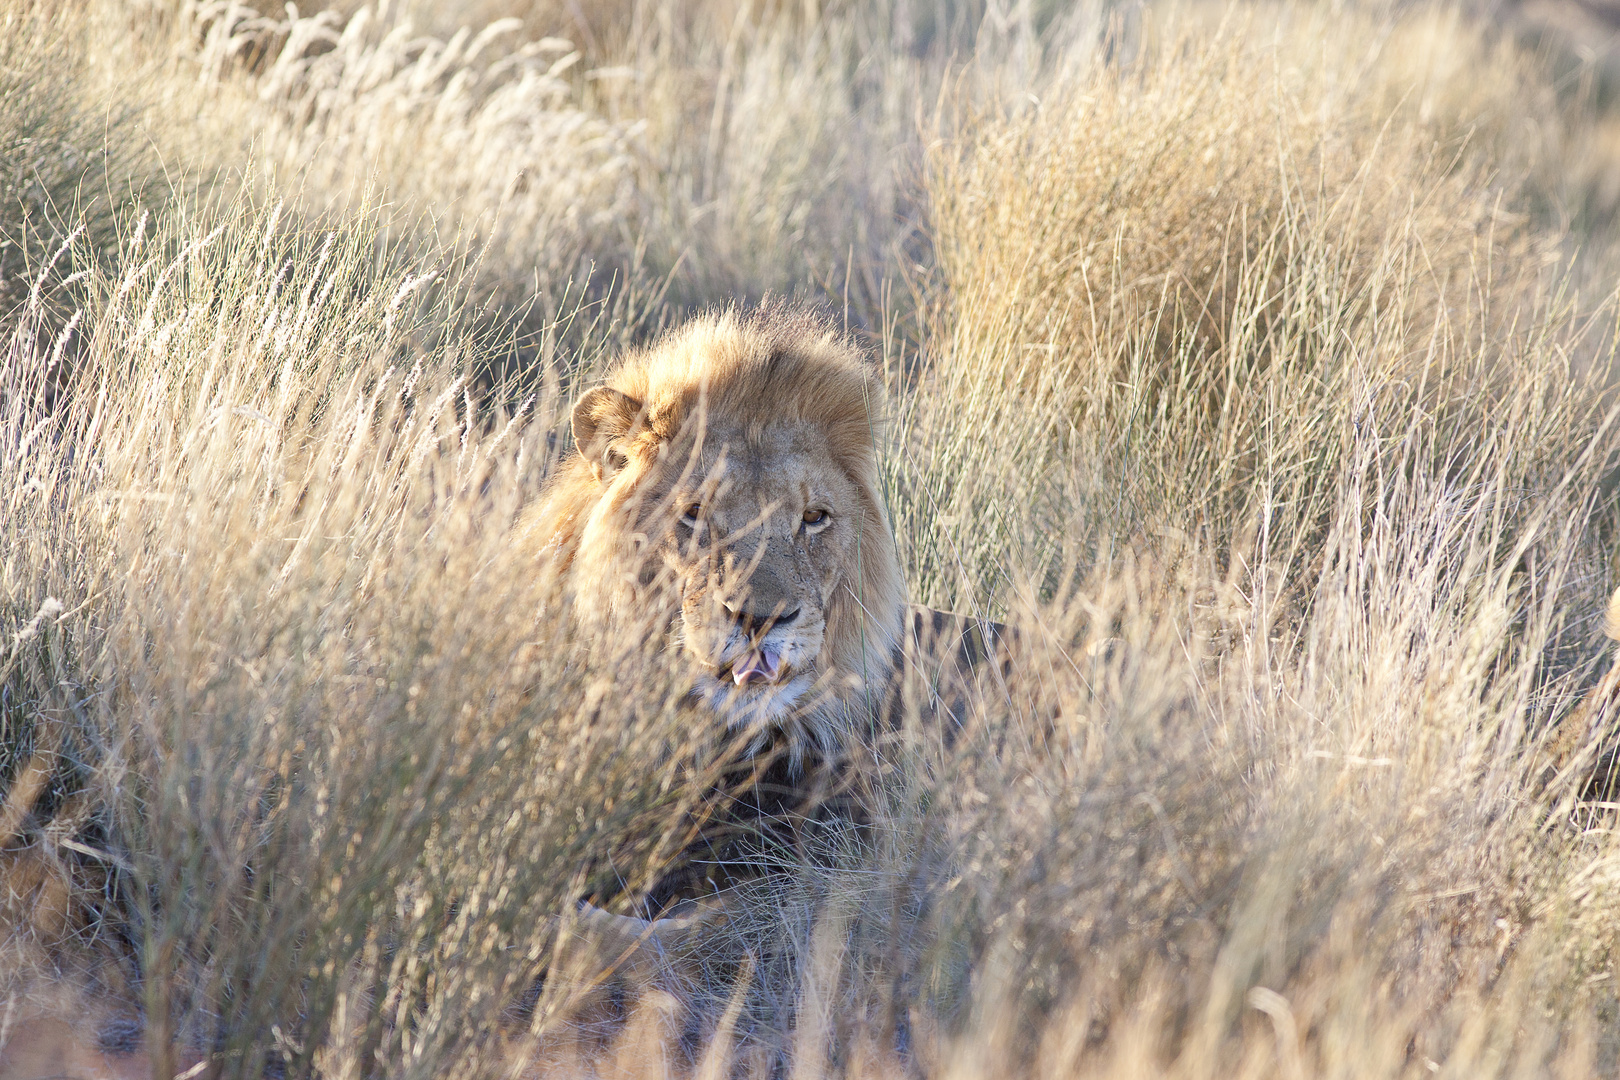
{"points": [[730, 472]]}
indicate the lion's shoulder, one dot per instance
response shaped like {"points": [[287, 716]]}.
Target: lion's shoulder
{"points": [[1583, 750], [943, 662]]}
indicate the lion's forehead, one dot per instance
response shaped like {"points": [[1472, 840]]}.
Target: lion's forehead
{"points": [[752, 478], [759, 447]]}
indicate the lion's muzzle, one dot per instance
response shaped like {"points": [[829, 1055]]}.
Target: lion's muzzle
{"points": [[758, 635]]}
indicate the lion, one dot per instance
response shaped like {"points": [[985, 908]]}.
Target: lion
{"points": [[730, 472]]}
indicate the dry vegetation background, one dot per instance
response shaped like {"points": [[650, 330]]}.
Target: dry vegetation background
{"points": [[1271, 341]]}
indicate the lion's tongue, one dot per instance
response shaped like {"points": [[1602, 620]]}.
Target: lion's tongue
{"points": [[761, 665]]}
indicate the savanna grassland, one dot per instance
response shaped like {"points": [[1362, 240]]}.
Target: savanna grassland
{"points": [[1254, 360]]}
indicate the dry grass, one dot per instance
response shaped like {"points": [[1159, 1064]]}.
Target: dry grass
{"points": [[686, 152], [1249, 377]]}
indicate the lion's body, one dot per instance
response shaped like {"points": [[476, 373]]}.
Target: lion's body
{"points": [[781, 802]]}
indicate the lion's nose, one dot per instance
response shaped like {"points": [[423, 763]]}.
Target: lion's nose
{"points": [[752, 621]]}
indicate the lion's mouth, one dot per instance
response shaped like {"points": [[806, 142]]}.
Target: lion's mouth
{"points": [[761, 665]]}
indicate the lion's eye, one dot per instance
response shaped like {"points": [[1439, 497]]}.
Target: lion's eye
{"points": [[814, 518], [690, 514]]}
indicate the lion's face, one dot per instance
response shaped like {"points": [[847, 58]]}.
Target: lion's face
{"points": [[749, 532], [726, 490]]}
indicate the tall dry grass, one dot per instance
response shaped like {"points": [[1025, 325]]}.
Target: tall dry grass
{"points": [[1209, 270], [689, 151], [1248, 377], [331, 794]]}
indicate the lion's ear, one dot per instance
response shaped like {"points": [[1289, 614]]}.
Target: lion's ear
{"points": [[601, 418]]}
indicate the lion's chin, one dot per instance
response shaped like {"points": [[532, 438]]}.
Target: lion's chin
{"points": [[753, 704]]}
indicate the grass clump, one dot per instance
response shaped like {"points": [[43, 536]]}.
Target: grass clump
{"points": [[1203, 268]]}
